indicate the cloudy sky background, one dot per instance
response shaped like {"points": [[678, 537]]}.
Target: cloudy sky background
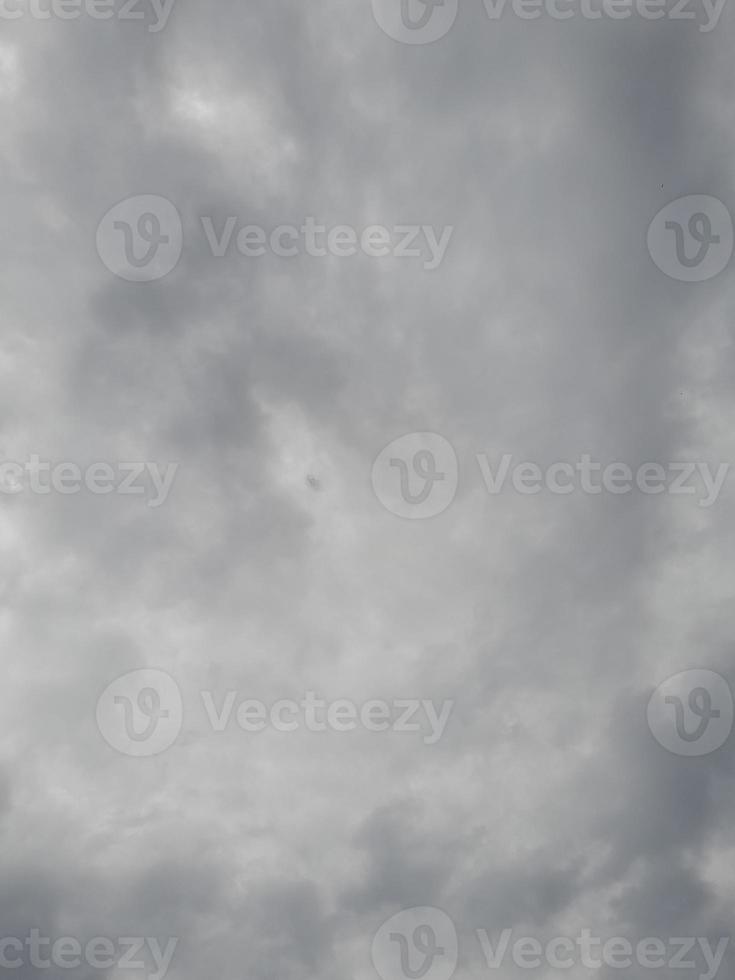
{"points": [[547, 332]]}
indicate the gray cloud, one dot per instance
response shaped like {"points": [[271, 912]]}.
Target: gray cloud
{"points": [[547, 332]]}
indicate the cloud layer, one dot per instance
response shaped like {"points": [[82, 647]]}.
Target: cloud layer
{"points": [[274, 383]]}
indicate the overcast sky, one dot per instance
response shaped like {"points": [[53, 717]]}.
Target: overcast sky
{"points": [[273, 567]]}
